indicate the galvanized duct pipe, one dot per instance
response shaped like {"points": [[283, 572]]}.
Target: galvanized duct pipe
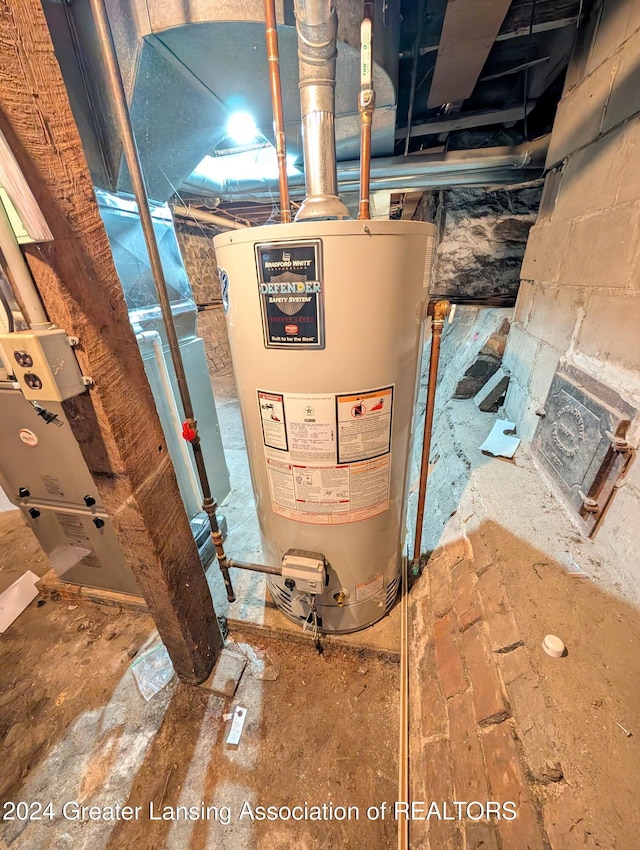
{"points": [[317, 27], [478, 167]]}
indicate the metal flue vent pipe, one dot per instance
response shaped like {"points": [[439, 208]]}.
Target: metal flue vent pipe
{"points": [[317, 27]]}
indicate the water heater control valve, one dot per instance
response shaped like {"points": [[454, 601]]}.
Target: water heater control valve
{"points": [[304, 571]]}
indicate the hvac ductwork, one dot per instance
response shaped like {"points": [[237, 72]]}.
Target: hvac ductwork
{"points": [[317, 27], [478, 167]]}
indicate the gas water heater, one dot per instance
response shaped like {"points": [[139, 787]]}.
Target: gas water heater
{"points": [[325, 322]]}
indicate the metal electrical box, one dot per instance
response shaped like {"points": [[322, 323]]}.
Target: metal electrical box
{"points": [[44, 364]]}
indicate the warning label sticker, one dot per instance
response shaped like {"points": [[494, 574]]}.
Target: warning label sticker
{"points": [[307, 481], [274, 431], [364, 425], [370, 588]]}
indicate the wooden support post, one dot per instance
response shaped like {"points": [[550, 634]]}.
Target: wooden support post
{"points": [[116, 423]]}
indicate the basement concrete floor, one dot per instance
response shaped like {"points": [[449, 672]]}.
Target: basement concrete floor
{"points": [[493, 718], [76, 729]]}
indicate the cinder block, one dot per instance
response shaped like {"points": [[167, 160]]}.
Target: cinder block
{"points": [[580, 113], [591, 178], [629, 175], [601, 249], [553, 315], [525, 299], [610, 329], [625, 94], [611, 32], [545, 250], [542, 374], [633, 23], [520, 353], [520, 409]]}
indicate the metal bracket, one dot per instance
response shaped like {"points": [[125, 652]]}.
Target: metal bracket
{"points": [[590, 505], [618, 444]]}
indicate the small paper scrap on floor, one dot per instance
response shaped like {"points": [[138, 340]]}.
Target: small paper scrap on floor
{"points": [[16, 598], [501, 442], [237, 725]]}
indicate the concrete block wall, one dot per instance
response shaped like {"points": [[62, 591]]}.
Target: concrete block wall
{"points": [[579, 299]]}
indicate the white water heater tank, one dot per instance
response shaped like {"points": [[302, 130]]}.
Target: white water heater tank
{"points": [[325, 324]]}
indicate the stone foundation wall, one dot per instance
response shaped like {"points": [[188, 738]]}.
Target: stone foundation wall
{"points": [[196, 245], [481, 238]]}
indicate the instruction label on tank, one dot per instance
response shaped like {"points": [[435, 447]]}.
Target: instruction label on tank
{"points": [[290, 288], [364, 425], [307, 480], [369, 589], [274, 430]]}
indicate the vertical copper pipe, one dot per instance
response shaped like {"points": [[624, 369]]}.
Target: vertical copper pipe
{"points": [[364, 208], [278, 112], [439, 311], [118, 101], [366, 106]]}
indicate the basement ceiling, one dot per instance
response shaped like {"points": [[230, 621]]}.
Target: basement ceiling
{"points": [[449, 75], [481, 66]]}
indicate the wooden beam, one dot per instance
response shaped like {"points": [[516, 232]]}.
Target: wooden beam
{"points": [[116, 423], [468, 33]]}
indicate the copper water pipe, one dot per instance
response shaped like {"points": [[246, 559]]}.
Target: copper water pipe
{"points": [[366, 115], [366, 107], [278, 112], [439, 310]]}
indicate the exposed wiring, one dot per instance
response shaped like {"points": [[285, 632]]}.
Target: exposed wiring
{"points": [[312, 624]]}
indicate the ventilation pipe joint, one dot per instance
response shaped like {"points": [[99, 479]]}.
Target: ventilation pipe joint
{"points": [[317, 27]]}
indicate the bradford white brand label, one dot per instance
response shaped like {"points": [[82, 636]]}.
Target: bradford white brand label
{"points": [[308, 480], [291, 295]]}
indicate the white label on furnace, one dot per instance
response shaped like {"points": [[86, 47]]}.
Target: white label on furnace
{"points": [[364, 425], [369, 589]]}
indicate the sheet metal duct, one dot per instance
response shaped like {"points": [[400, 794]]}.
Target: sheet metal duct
{"points": [[186, 65], [478, 167]]}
